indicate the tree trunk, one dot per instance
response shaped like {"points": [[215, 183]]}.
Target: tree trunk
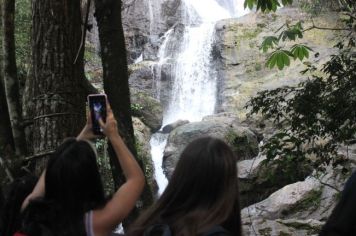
{"points": [[11, 83], [6, 139], [113, 55], [57, 86], [116, 86]]}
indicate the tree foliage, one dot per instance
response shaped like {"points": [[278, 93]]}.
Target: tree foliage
{"points": [[317, 116], [266, 5]]}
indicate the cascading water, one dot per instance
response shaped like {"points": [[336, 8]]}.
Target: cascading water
{"points": [[193, 94]]}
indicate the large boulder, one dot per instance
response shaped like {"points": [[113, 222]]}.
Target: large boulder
{"points": [[241, 139], [168, 128], [148, 109], [280, 227], [300, 208], [289, 199], [259, 178]]}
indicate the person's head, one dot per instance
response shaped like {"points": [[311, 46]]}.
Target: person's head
{"points": [[18, 190], [202, 192], [72, 177], [72, 187]]}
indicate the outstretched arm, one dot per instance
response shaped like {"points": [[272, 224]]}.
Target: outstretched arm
{"points": [[123, 201], [38, 191]]}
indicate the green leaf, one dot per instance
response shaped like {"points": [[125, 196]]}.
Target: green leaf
{"points": [[300, 51], [249, 4], [269, 42], [265, 5], [279, 58], [292, 33]]}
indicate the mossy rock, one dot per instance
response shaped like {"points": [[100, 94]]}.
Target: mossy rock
{"points": [[148, 109]]}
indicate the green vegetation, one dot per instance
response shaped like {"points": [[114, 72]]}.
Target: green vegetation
{"points": [[265, 231], [241, 145], [135, 107], [104, 166], [318, 116], [281, 57], [266, 5], [23, 36], [303, 226]]}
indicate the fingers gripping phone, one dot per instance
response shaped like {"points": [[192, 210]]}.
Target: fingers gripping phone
{"points": [[97, 107]]}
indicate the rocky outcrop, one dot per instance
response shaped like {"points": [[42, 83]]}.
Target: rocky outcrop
{"points": [[142, 141], [241, 139], [148, 109], [241, 64], [278, 227], [258, 178], [285, 200], [168, 128], [297, 209]]}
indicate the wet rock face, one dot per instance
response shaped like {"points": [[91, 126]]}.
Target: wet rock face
{"points": [[142, 136], [227, 129], [145, 22], [141, 78]]}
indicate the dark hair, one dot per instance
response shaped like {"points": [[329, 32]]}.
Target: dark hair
{"points": [[203, 192], [73, 187], [342, 221], [18, 190], [1, 207]]}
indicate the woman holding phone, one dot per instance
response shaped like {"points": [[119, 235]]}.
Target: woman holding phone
{"points": [[69, 198]]}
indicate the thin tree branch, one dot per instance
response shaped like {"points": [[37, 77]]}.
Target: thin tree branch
{"points": [[84, 30], [39, 155], [324, 28], [330, 186], [280, 28]]}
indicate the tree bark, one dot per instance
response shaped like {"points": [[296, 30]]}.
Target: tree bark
{"points": [[6, 139], [113, 55], [11, 82], [57, 86], [116, 86]]}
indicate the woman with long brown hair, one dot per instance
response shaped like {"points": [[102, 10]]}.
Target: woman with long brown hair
{"points": [[202, 196]]}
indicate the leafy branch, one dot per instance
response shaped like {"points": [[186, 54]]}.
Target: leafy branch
{"points": [[281, 58]]}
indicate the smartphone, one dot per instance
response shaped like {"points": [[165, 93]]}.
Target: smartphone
{"points": [[97, 107]]}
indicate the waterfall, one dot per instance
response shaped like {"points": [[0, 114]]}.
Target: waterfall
{"points": [[193, 94]]}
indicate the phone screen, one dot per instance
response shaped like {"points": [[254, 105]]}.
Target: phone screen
{"points": [[97, 106]]}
